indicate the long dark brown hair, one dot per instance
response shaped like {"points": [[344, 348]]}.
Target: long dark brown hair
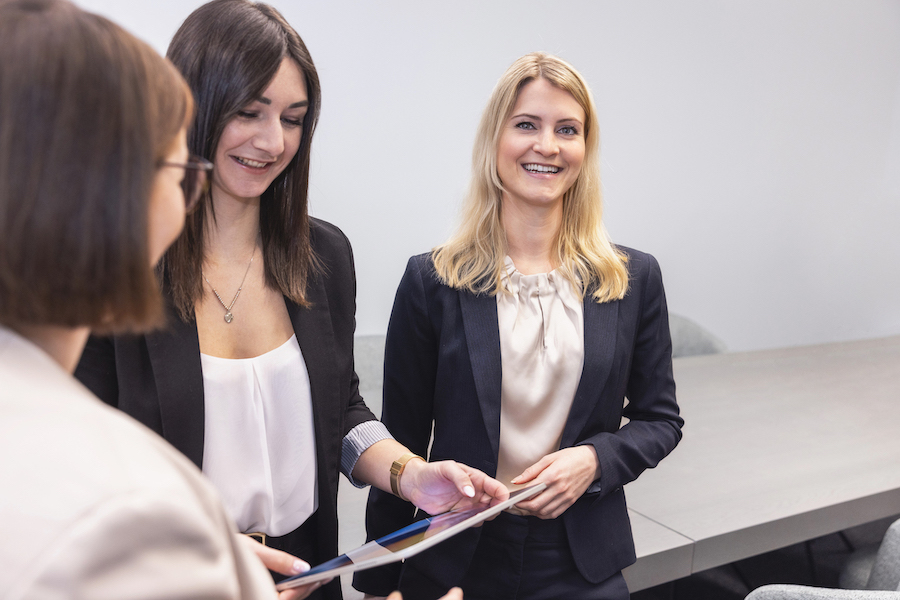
{"points": [[229, 51], [87, 112]]}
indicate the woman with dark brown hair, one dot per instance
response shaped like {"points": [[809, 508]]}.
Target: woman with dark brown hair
{"points": [[94, 181], [254, 378]]}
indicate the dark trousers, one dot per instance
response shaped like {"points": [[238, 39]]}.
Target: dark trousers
{"points": [[522, 558]]}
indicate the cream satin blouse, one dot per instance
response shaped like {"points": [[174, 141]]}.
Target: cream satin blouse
{"points": [[541, 323]]}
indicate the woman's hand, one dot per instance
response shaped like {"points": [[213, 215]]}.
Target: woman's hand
{"points": [[568, 473], [447, 485], [434, 487], [286, 564]]}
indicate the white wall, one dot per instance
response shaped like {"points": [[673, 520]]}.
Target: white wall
{"points": [[753, 146]]}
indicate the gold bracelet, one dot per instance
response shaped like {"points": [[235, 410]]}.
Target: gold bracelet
{"points": [[397, 469]]}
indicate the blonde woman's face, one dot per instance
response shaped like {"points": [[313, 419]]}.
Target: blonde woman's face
{"points": [[541, 146], [167, 200]]}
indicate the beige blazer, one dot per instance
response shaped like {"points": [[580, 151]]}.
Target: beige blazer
{"points": [[94, 505]]}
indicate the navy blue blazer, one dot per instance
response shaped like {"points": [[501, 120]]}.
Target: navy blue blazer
{"points": [[156, 378], [442, 364]]}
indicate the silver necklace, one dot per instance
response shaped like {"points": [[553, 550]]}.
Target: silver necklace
{"points": [[228, 316]]}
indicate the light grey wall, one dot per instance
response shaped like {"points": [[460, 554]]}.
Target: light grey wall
{"points": [[753, 146]]}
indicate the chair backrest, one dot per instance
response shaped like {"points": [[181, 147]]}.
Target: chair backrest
{"points": [[886, 570], [691, 339], [368, 356]]}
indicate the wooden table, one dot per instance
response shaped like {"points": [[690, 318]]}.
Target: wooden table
{"points": [[780, 446]]}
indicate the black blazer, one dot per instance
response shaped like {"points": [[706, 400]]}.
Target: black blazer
{"points": [[156, 378], [442, 363]]}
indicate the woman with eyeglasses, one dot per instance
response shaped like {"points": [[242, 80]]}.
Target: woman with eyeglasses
{"points": [[93, 161], [253, 379]]}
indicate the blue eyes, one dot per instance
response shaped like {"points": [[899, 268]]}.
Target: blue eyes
{"points": [[568, 130]]}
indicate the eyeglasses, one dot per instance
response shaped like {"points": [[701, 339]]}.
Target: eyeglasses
{"points": [[196, 179]]}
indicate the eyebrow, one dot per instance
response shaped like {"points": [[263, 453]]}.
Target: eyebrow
{"points": [[266, 101]]}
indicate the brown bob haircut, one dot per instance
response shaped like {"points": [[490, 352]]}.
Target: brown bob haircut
{"points": [[87, 112], [229, 51]]}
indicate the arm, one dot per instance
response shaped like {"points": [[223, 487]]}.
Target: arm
{"points": [[144, 545], [434, 487], [654, 425]]}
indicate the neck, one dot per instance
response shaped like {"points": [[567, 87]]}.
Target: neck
{"points": [[531, 235], [63, 344], [234, 233]]}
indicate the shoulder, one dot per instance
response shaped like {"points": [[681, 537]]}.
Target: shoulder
{"points": [[333, 263], [98, 497], [645, 283], [638, 262], [82, 467], [422, 263], [327, 238], [420, 272]]}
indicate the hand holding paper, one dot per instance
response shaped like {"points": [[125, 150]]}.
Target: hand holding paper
{"points": [[568, 474], [447, 485]]}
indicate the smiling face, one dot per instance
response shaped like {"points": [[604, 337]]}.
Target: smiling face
{"points": [[541, 146], [262, 139]]}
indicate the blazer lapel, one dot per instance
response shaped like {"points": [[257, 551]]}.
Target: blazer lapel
{"points": [[483, 342], [175, 357], [599, 350]]}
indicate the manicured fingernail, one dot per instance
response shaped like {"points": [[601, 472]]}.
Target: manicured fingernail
{"points": [[469, 491], [515, 479], [300, 566]]}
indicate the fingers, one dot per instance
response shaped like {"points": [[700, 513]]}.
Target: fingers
{"points": [[460, 478], [299, 593], [275, 560], [393, 596], [491, 490], [454, 594], [533, 471]]}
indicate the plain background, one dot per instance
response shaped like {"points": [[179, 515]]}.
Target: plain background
{"points": [[753, 146]]}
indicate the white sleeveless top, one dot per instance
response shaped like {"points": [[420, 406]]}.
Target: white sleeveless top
{"points": [[541, 325], [259, 447]]}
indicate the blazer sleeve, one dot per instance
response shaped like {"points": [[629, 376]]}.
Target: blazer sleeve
{"points": [[654, 426], [147, 544], [410, 365], [333, 249]]}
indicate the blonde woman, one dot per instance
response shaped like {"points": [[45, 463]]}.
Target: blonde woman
{"points": [[519, 341]]}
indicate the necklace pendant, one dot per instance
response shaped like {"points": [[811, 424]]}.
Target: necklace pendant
{"points": [[229, 317]]}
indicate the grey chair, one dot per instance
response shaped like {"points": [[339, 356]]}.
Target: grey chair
{"points": [[883, 582], [691, 339]]}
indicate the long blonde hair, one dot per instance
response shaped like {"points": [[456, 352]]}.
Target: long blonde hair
{"points": [[473, 258]]}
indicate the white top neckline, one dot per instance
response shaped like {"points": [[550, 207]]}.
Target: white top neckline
{"points": [[258, 357]]}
